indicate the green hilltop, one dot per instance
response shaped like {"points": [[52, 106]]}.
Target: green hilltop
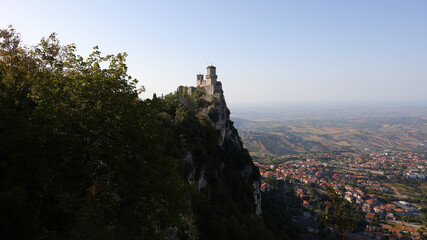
{"points": [[82, 157]]}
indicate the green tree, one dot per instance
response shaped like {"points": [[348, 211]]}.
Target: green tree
{"points": [[424, 212], [341, 215], [80, 155]]}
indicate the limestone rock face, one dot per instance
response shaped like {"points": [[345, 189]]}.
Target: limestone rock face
{"points": [[219, 117], [257, 197], [224, 182], [216, 164]]}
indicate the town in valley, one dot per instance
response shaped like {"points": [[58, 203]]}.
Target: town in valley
{"points": [[387, 189]]}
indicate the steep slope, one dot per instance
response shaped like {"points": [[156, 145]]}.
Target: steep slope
{"points": [[81, 157], [227, 200]]}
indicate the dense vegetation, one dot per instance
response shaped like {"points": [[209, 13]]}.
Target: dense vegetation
{"points": [[81, 157], [276, 210]]}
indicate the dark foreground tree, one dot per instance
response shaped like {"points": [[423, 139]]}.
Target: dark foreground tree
{"points": [[341, 215], [80, 156]]}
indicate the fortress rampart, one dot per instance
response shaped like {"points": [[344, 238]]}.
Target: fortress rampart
{"points": [[210, 86]]}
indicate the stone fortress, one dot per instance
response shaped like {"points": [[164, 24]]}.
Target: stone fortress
{"points": [[218, 115], [211, 86]]}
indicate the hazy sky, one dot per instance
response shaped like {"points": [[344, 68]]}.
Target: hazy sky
{"points": [[264, 51]]}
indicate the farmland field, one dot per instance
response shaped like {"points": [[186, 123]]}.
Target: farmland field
{"points": [[353, 130]]}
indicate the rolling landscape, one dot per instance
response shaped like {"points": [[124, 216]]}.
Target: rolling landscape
{"points": [[353, 130]]}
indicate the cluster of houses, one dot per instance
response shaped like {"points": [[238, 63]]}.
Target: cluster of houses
{"points": [[353, 184], [390, 232], [415, 166], [415, 174]]}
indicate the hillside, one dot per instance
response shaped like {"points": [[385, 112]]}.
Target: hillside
{"points": [[82, 157], [362, 133]]}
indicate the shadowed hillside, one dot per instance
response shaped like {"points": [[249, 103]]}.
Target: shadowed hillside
{"points": [[82, 157]]}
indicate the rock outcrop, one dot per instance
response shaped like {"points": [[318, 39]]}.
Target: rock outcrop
{"points": [[233, 155], [228, 133], [226, 199]]}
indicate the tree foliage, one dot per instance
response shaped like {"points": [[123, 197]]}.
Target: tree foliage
{"points": [[80, 156], [341, 215]]}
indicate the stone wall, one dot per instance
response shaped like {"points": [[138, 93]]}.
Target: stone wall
{"points": [[210, 86]]}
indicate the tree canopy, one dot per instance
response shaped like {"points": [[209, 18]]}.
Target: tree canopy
{"points": [[80, 155]]}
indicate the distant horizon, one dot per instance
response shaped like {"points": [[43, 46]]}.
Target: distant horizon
{"points": [[328, 104], [280, 111]]}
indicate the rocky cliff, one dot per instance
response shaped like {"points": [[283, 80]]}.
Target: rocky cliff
{"points": [[219, 117], [227, 199], [82, 157]]}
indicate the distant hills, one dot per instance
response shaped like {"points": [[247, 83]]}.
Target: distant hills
{"points": [[353, 131]]}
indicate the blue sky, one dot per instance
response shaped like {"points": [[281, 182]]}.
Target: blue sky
{"points": [[366, 51]]}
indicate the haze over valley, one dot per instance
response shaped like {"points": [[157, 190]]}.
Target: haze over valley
{"points": [[362, 129]]}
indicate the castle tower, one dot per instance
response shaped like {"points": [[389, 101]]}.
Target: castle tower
{"points": [[200, 80], [211, 76]]}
